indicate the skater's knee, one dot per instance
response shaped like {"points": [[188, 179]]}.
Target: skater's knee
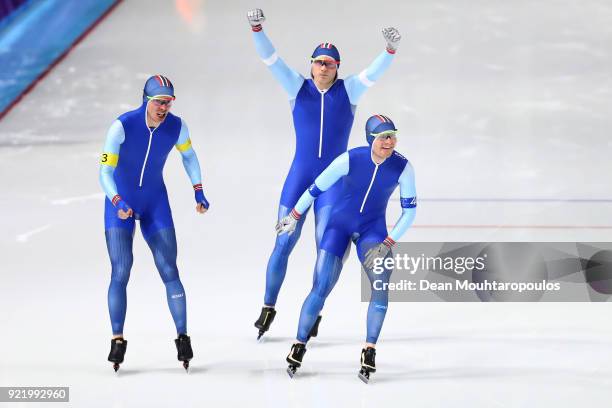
{"points": [[320, 291], [121, 271], [168, 270], [284, 244], [380, 297], [175, 286]]}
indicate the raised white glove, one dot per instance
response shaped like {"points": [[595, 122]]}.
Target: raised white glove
{"points": [[256, 17], [393, 37], [287, 224]]}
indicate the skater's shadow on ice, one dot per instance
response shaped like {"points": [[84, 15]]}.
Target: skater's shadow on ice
{"points": [[265, 340], [126, 372], [469, 373], [427, 339], [315, 343], [280, 371], [330, 343]]}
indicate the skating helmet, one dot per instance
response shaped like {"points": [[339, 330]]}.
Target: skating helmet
{"points": [[158, 86], [376, 125], [327, 49]]}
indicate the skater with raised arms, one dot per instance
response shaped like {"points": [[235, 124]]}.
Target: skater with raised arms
{"points": [[323, 108]]}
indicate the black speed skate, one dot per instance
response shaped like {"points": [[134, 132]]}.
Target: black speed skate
{"points": [[117, 352], [368, 364], [314, 331], [265, 320], [184, 351], [295, 358]]}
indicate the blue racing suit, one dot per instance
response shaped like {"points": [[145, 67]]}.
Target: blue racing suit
{"points": [[131, 170], [357, 215], [322, 120]]}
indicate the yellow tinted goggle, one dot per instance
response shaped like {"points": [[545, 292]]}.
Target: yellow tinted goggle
{"points": [[161, 97]]}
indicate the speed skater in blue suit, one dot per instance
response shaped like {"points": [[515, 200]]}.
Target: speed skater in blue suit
{"points": [[323, 108], [131, 174], [369, 176]]}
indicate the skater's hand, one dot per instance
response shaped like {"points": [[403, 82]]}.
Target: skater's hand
{"points": [[288, 223], [124, 215], [379, 251], [124, 211], [393, 37], [202, 202], [201, 209], [256, 17]]}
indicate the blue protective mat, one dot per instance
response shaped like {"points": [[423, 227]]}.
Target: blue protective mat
{"points": [[37, 36]]}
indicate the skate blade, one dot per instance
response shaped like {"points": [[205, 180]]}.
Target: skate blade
{"points": [[116, 368], [291, 372], [186, 366], [260, 336], [363, 378]]}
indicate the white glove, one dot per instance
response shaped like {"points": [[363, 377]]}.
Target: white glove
{"points": [[288, 223], [393, 37], [379, 251], [256, 17]]}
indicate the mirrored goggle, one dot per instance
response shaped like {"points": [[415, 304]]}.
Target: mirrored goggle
{"points": [[388, 134], [325, 62], [161, 101]]}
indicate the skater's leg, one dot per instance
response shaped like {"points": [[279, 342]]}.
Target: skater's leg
{"points": [[163, 246], [377, 309], [379, 299], [321, 220], [327, 272], [322, 210], [119, 244], [277, 264]]}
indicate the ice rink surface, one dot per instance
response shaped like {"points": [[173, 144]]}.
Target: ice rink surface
{"points": [[504, 109]]}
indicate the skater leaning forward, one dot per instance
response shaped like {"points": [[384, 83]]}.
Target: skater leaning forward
{"points": [[323, 108], [369, 176], [137, 146]]}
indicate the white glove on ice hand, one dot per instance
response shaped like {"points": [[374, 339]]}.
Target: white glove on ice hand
{"points": [[256, 17], [288, 223], [393, 37], [379, 251]]}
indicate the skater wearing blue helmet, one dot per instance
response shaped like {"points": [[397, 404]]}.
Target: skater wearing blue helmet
{"points": [[323, 108], [369, 176], [137, 146]]}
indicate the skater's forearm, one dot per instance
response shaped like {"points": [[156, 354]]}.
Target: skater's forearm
{"points": [[107, 181], [356, 85], [192, 166], [378, 67], [402, 225], [290, 80]]}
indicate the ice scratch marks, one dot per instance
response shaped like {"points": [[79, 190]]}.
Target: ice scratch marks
{"points": [[578, 47], [23, 238], [78, 199], [551, 106]]}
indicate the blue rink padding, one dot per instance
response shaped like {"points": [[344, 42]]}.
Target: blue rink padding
{"points": [[10, 9], [38, 37]]}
